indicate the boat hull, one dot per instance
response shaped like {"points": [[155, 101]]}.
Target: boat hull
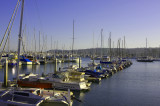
{"points": [[34, 84], [144, 60], [49, 85], [27, 63]]}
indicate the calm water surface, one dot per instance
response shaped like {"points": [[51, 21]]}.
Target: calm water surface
{"points": [[138, 85]]}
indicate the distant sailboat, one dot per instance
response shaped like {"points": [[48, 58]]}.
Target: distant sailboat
{"points": [[145, 58], [105, 59], [73, 58]]}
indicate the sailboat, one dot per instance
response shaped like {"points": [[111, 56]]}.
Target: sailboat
{"points": [[73, 58], [145, 58], [105, 59]]}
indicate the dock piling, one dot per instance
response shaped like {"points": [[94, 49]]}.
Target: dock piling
{"points": [[6, 73], [55, 67], [79, 62]]}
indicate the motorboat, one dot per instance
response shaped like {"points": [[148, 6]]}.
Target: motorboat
{"points": [[53, 97], [18, 98], [50, 81]]}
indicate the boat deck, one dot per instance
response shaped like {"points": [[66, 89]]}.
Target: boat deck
{"points": [[6, 96]]}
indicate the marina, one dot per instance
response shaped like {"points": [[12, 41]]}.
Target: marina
{"points": [[49, 68], [72, 71], [128, 85]]}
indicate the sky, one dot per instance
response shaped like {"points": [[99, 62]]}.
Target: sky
{"points": [[134, 19]]}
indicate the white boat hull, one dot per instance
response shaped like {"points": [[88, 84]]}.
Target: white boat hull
{"points": [[26, 63], [72, 86]]}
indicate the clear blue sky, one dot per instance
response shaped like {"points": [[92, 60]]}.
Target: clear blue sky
{"points": [[134, 19]]}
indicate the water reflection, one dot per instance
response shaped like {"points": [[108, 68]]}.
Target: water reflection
{"points": [[81, 95], [14, 71]]}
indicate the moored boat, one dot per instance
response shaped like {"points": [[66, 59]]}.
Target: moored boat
{"points": [[25, 61], [51, 81]]}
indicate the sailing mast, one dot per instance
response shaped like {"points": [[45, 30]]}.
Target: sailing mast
{"points": [[54, 49], [146, 48], [51, 43], [146, 43], [20, 38], [124, 47], [93, 49], [110, 45], [8, 44], [35, 39], [73, 41], [101, 42], [39, 41]]}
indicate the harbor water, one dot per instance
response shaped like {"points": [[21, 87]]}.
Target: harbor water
{"points": [[137, 85]]}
